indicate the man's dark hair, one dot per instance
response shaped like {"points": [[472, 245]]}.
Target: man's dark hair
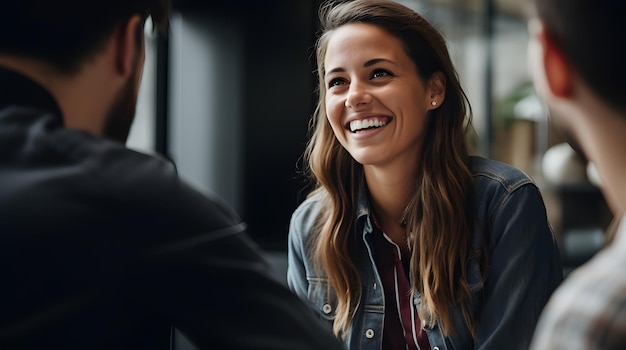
{"points": [[65, 33], [592, 35]]}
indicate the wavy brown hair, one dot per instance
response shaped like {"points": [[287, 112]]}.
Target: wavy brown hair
{"points": [[440, 232]]}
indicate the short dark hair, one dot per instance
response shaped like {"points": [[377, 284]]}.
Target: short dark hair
{"points": [[64, 33], [592, 35]]}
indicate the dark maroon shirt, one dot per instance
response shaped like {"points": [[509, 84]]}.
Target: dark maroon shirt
{"points": [[402, 328]]}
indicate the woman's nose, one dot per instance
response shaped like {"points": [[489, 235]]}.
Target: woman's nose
{"points": [[357, 96]]}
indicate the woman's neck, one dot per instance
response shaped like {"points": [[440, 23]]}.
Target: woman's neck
{"points": [[390, 193]]}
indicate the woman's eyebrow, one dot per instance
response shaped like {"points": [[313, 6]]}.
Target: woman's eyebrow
{"points": [[368, 63]]}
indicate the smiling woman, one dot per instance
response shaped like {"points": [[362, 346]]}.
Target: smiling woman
{"points": [[374, 87], [407, 241]]}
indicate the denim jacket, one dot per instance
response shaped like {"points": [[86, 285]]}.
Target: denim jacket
{"points": [[524, 266]]}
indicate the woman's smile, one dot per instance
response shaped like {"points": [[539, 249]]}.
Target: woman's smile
{"points": [[367, 124]]}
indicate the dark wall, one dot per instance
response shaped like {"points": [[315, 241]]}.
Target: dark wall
{"points": [[280, 100], [279, 97]]}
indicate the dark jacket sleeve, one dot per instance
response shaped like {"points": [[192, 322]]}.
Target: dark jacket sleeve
{"points": [[218, 290], [525, 269]]}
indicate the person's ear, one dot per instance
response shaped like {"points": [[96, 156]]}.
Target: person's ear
{"points": [[128, 45], [436, 90], [558, 73]]}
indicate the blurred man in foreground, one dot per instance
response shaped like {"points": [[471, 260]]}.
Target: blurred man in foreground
{"points": [[578, 58], [102, 247]]}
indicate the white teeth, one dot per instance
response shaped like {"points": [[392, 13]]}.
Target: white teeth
{"points": [[356, 125]]}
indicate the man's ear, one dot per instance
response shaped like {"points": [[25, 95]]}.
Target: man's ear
{"points": [[128, 46], [436, 89], [557, 70]]}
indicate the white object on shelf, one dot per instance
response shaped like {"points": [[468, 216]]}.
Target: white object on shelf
{"points": [[593, 175], [562, 166]]}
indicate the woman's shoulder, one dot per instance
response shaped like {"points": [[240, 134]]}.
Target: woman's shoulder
{"points": [[304, 217], [492, 172]]}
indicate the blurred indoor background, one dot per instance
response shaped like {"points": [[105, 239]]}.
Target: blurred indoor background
{"points": [[228, 95]]}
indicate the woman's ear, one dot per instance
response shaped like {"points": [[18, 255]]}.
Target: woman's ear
{"points": [[128, 47], [436, 90]]}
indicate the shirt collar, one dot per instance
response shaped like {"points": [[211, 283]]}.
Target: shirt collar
{"points": [[17, 89]]}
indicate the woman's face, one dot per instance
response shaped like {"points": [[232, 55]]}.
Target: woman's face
{"points": [[376, 102]]}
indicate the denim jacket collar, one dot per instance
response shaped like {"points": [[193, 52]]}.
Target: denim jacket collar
{"points": [[363, 218]]}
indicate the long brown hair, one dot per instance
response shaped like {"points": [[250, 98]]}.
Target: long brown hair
{"points": [[440, 232]]}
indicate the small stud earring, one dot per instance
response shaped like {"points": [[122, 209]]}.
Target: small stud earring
{"points": [[434, 103]]}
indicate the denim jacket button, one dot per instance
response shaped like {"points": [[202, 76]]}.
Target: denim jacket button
{"points": [[327, 308], [436, 348], [369, 334]]}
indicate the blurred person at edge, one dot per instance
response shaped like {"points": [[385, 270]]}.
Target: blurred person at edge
{"points": [[102, 247], [408, 242], [577, 55]]}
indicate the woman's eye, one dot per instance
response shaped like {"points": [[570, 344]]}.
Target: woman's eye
{"points": [[335, 82], [379, 73]]}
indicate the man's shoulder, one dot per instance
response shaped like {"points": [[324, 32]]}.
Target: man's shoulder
{"points": [[601, 276], [111, 162], [149, 183], [588, 310], [80, 175]]}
